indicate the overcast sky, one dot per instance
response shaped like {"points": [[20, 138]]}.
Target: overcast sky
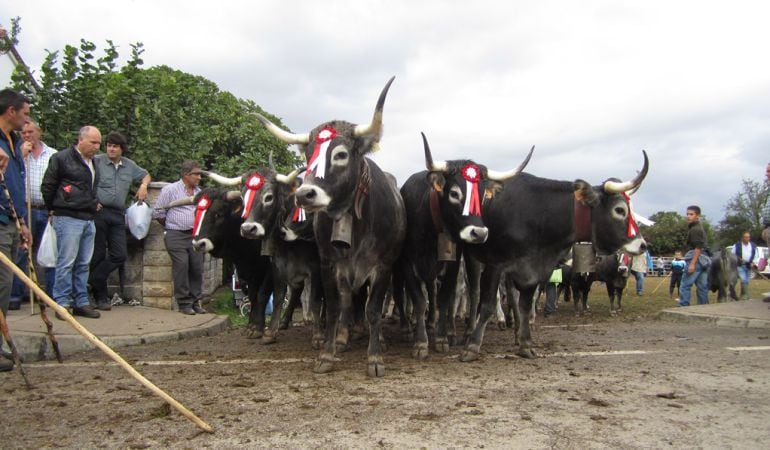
{"points": [[589, 83]]}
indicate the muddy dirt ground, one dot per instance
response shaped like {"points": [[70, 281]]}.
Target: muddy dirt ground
{"points": [[617, 384]]}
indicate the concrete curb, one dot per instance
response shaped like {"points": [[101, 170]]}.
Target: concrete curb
{"points": [[35, 346], [681, 315]]}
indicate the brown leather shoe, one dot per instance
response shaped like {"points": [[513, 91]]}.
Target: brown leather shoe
{"points": [[86, 311]]}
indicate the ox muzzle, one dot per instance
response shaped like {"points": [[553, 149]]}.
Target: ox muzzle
{"points": [[203, 245], [252, 230], [312, 198]]}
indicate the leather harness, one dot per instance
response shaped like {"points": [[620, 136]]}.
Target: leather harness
{"points": [[362, 190]]}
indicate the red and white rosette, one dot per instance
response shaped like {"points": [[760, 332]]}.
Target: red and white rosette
{"points": [[633, 228], [317, 161], [472, 175], [200, 211], [299, 215], [253, 184]]}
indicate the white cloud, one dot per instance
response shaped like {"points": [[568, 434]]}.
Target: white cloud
{"points": [[590, 83]]}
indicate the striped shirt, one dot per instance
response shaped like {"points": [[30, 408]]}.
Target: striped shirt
{"points": [[35, 171], [181, 217]]}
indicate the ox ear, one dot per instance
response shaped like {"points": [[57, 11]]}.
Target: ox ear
{"points": [[585, 193], [437, 181], [492, 189]]}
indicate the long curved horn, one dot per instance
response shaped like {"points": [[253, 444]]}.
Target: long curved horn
{"points": [[374, 128], [285, 136], [224, 181], [615, 187], [233, 195], [289, 179], [503, 176], [440, 166], [181, 202]]}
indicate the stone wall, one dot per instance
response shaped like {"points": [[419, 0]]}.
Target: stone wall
{"points": [[148, 268]]}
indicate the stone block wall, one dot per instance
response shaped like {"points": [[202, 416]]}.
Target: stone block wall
{"points": [[148, 268]]}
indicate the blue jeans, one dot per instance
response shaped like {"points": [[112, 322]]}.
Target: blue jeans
{"points": [[639, 281], [39, 220], [75, 243], [743, 273], [700, 278]]}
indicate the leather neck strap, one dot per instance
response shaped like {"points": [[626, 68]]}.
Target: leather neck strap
{"points": [[435, 211], [362, 191], [582, 222]]}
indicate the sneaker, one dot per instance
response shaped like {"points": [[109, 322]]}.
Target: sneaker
{"points": [[86, 311]]}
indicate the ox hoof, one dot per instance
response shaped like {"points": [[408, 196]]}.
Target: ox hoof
{"points": [[468, 356], [317, 343], [375, 367], [527, 353], [501, 325], [268, 339], [613, 313], [442, 345], [325, 363], [283, 326], [619, 310], [420, 351], [254, 334]]}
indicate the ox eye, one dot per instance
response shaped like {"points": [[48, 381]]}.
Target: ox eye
{"points": [[267, 199], [620, 212], [340, 156], [455, 195]]}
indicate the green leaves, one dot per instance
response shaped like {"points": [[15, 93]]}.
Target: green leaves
{"points": [[167, 115]]}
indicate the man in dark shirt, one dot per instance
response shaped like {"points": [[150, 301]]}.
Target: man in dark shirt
{"points": [[697, 261], [116, 174]]}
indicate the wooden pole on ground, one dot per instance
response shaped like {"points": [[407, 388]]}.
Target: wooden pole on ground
{"points": [[104, 347]]}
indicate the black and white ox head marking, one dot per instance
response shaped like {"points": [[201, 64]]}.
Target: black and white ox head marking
{"points": [[214, 208], [613, 225], [335, 154], [463, 186]]}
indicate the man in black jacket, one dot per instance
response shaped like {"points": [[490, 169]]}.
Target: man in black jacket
{"points": [[69, 192]]}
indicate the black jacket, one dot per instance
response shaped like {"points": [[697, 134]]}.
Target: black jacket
{"points": [[68, 188]]}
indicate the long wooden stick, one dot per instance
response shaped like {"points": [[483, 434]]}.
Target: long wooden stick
{"points": [[104, 347], [661, 282], [14, 352]]}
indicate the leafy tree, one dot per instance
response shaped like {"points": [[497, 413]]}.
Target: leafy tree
{"points": [[669, 234], [744, 212], [167, 115]]}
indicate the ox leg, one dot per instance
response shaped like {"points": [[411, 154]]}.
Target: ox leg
{"points": [[446, 295], [490, 279], [414, 290], [525, 332], [473, 270], [513, 305], [611, 295], [263, 287], [375, 366], [325, 362], [279, 294], [315, 307], [400, 300], [294, 301], [345, 320]]}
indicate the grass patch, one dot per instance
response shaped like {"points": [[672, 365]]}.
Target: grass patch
{"points": [[222, 302], [654, 299]]}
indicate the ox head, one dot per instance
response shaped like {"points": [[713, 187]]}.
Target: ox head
{"points": [[215, 208], [462, 187], [265, 194], [335, 152], [613, 226]]}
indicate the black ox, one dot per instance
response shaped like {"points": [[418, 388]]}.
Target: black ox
{"points": [[446, 199], [359, 225], [532, 224], [217, 231]]}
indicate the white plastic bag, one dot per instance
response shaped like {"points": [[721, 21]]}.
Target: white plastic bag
{"points": [[138, 218], [47, 252]]}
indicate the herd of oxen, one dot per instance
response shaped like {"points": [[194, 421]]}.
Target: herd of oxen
{"points": [[349, 235]]}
